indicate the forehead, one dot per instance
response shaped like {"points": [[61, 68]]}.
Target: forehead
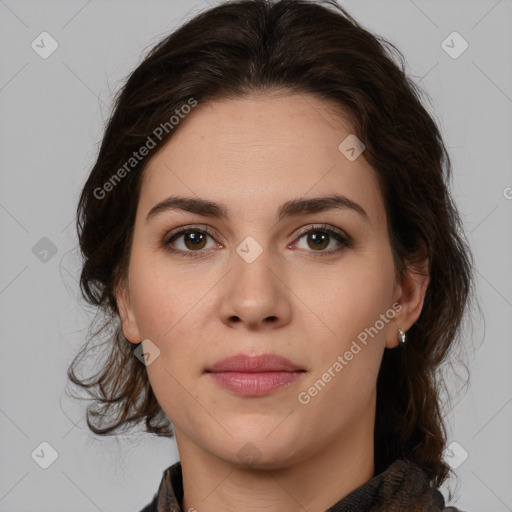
{"points": [[256, 151]]}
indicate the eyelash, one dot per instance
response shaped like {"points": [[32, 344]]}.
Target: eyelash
{"points": [[344, 240]]}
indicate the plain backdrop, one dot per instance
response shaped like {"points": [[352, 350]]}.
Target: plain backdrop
{"points": [[52, 114]]}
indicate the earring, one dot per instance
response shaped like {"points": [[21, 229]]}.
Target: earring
{"points": [[401, 337]]}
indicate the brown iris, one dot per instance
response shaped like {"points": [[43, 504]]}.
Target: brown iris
{"points": [[319, 239], [196, 239]]}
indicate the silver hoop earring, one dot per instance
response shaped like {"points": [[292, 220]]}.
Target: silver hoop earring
{"points": [[401, 337]]}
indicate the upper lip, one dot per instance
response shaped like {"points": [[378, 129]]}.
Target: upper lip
{"points": [[254, 363]]}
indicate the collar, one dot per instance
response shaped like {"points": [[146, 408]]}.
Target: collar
{"points": [[402, 487]]}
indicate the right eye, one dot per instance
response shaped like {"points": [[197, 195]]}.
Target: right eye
{"points": [[188, 240]]}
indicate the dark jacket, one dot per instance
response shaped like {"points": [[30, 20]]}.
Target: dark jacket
{"points": [[402, 487]]}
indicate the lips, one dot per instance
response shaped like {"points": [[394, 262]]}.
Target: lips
{"points": [[253, 376], [254, 364]]}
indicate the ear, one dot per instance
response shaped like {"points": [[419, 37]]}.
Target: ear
{"points": [[410, 294], [126, 314]]}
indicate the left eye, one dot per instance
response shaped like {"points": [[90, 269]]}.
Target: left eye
{"points": [[319, 239], [194, 240]]}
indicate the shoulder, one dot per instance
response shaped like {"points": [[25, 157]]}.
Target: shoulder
{"points": [[440, 504], [170, 491]]}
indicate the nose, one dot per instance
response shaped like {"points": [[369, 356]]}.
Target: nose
{"points": [[255, 295]]}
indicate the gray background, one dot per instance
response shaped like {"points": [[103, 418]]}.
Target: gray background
{"points": [[52, 113]]}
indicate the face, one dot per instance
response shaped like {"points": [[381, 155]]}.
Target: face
{"points": [[312, 284]]}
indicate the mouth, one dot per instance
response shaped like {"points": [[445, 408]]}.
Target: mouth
{"points": [[247, 363], [254, 384], [257, 375]]}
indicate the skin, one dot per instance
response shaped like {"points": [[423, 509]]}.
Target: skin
{"points": [[253, 154]]}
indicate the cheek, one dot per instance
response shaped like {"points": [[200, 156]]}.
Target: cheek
{"points": [[166, 303], [164, 296], [356, 308], [348, 358], [170, 305], [353, 298]]}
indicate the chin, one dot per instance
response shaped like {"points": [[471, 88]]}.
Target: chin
{"points": [[259, 452]]}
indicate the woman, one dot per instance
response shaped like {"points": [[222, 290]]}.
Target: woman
{"points": [[269, 231]]}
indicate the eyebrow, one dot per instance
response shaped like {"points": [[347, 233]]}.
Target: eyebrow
{"points": [[292, 208]]}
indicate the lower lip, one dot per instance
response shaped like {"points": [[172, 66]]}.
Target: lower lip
{"points": [[254, 384]]}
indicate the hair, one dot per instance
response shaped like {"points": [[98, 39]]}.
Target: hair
{"points": [[248, 47]]}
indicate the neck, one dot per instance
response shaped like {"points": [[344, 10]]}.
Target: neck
{"points": [[317, 482]]}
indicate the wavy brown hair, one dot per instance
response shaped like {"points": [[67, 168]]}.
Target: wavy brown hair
{"points": [[257, 46]]}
